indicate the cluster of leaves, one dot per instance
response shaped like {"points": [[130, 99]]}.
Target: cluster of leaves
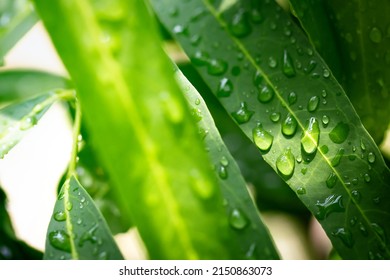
{"points": [[294, 87]]}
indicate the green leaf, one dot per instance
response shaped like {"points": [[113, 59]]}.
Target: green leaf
{"points": [[22, 84], [363, 33], [318, 144], [244, 219], [141, 126], [77, 230], [16, 18], [18, 118], [313, 16]]}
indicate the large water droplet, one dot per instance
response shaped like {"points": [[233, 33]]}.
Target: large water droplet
{"points": [[292, 98], [60, 216], [262, 138], [285, 163], [237, 219], [60, 240], [288, 65], [225, 88], [289, 126], [243, 114], [312, 105], [339, 133], [265, 94], [310, 136], [345, 236], [336, 159], [240, 26], [375, 35], [331, 204], [332, 180]]}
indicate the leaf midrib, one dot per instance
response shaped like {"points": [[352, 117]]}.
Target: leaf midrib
{"points": [[277, 93]]}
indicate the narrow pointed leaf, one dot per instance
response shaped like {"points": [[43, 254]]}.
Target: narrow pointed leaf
{"points": [[16, 18], [364, 39], [18, 118], [77, 230], [313, 16], [244, 219], [22, 84], [319, 146], [141, 126]]}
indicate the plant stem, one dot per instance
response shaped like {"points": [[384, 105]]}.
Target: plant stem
{"points": [[76, 131]]}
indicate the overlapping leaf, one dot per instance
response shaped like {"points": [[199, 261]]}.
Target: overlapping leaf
{"points": [[77, 230], [283, 96]]}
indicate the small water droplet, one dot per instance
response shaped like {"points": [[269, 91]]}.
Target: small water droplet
{"points": [[362, 145], [225, 88], [237, 219], [196, 114], [289, 125], [89, 235], [301, 191], [310, 137], [325, 73], [325, 120], [180, 29], [60, 216], [243, 114], [256, 15], [331, 204], [285, 163], [222, 172], [304, 170], [28, 122], [224, 161], [376, 200], [200, 58], [379, 231], [345, 236], [353, 221], [216, 67], [197, 101], [356, 195], [367, 178], [265, 94], [275, 117], [292, 98], [60, 240], [324, 149], [262, 138], [272, 62], [195, 39], [69, 206], [312, 105], [363, 229], [332, 180], [299, 158], [375, 35], [240, 26], [371, 157], [288, 65], [310, 67], [337, 158], [339, 133], [79, 221]]}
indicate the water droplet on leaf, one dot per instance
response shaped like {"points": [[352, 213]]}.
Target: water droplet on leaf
{"points": [[288, 65], [292, 98], [332, 180], [265, 94], [310, 136], [371, 157], [60, 216], [262, 138], [237, 219], [225, 88], [240, 26], [289, 125], [243, 114], [312, 105], [60, 240], [336, 159], [345, 236], [301, 191], [285, 163], [339, 133], [331, 204]]}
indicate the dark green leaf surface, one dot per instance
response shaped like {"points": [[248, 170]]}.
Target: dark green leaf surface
{"points": [[16, 18], [363, 28], [77, 230], [313, 16], [277, 88], [16, 119], [244, 219], [22, 84], [141, 126]]}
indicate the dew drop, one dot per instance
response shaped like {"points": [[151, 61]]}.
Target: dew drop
{"points": [[379, 231], [60, 240], [225, 88], [200, 58], [375, 35], [222, 172], [196, 114], [272, 62], [243, 114], [310, 136], [304, 170], [339, 133], [285, 163], [337, 158], [363, 229], [89, 235], [79, 221], [362, 145], [345, 236], [197, 101], [332, 180], [325, 73], [353, 221], [312, 105], [288, 65], [324, 149], [356, 195], [301, 191], [237, 219], [371, 157], [224, 161], [265, 94], [331, 204], [216, 67], [325, 120], [60, 216], [69, 206], [180, 29], [275, 117], [367, 178], [292, 98], [262, 138], [240, 26], [289, 125], [28, 122]]}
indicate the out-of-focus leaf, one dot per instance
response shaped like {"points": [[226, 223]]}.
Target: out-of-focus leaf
{"points": [[16, 18], [77, 230], [244, 218], [313, 16], [363, 33], [141, 126], [278, 89], [18, 118], [22, 84]]}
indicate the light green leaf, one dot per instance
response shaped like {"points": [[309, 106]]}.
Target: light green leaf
{"points": [[141, 126], [18, 118], [22, 84], [16, 18], [77, 230], [244, 219], [259, 63], [363, 29]]}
